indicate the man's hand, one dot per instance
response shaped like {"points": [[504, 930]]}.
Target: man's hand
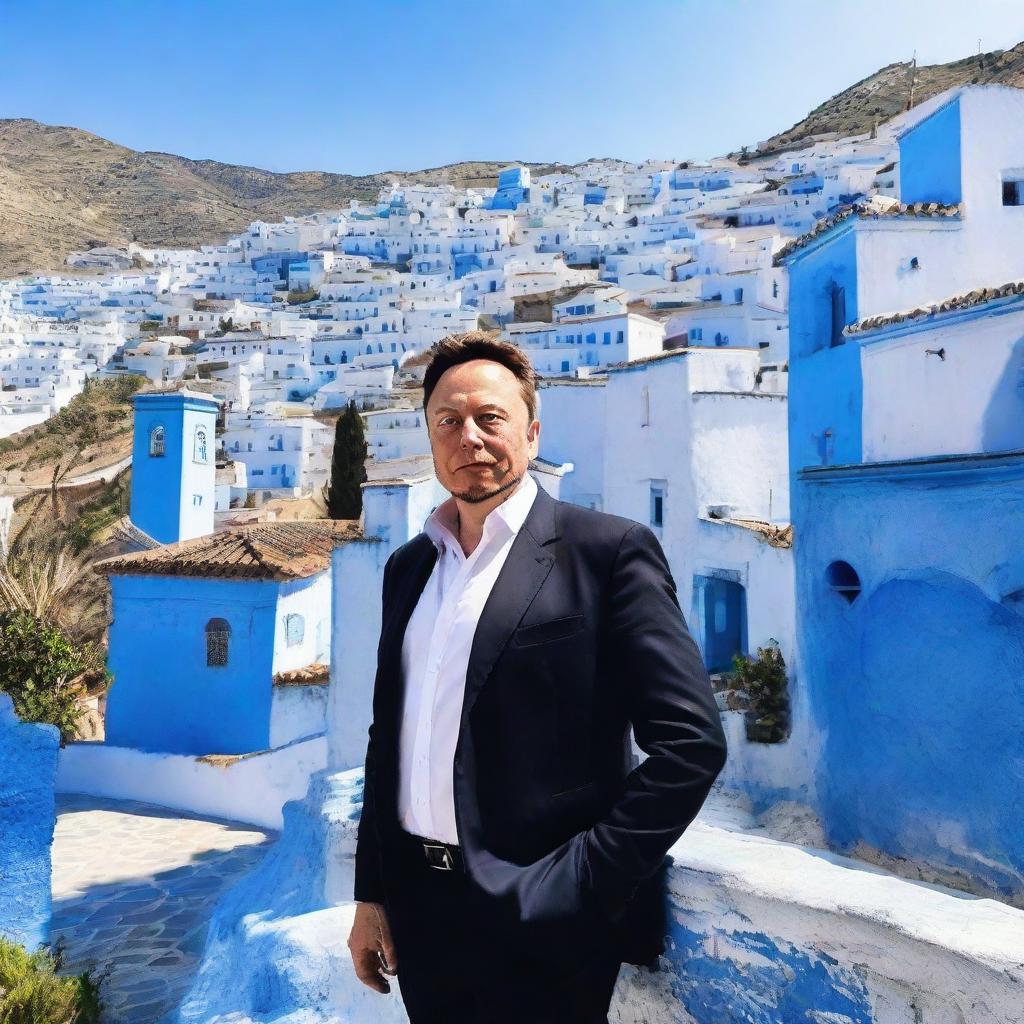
{"points": [[372, 948]]}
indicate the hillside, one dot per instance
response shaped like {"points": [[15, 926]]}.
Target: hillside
{"points": [[885, 94], [63, 189]]}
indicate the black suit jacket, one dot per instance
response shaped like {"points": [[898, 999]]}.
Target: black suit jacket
{"points": [[581, 636]]}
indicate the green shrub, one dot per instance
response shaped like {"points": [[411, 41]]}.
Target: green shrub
{"points": [[297, 296], [764, 679], [32, 993], [43, 671]]}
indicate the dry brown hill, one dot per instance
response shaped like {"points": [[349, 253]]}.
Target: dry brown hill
{"points": [[63, 189], [886, 93]]}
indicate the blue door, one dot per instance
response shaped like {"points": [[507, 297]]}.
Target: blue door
{"points": [[722, 606]]}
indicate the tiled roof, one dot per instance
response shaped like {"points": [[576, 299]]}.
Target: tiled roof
{"points": [[774, 535], [265, 551], [309, 675], [976, 298], [871, 212]]}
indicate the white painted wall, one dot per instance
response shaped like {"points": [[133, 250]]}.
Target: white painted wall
{"points": [[919, 404], [310, 598], [297, 712], [740, 453], [573, 423], [252, 789]]}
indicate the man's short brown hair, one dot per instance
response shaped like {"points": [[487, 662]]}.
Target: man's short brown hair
{"points": [[461, 348]]}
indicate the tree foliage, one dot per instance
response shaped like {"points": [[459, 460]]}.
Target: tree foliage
{"points": [[348, 466], [44, 672], [31, 992]]}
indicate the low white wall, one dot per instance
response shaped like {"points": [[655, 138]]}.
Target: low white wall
{"points": [[251, 789], [760, 931]]}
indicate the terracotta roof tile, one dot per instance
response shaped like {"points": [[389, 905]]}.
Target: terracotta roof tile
{"points": [[978, 297], [870, 212], [274, 551], [315, 673]]}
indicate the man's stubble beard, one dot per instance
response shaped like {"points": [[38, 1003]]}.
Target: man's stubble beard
{"points": [[474, 498]]}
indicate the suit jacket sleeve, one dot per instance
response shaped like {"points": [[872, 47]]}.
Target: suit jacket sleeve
{"points": [[671, 706], [368, 887]]}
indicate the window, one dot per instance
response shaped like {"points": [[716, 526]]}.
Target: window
{"points": [[1013, 192], [696, 334], [294, 629], [607, 340], [157, 442], [657, 506], [619, 337], [837, 303], [842, 578], [218, 633], [200, 452], [645, 406]]}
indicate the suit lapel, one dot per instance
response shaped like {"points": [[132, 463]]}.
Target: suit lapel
{"points": [[409, 586], [524, 572]]}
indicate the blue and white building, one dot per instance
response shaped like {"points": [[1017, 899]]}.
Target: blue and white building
{"points": [[907, 463], [174, 465]]}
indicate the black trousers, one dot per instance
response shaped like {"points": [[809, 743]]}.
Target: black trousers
{"points": [[456, 967]]}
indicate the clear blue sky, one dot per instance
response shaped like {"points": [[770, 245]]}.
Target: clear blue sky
{"points": [[365, 85]]}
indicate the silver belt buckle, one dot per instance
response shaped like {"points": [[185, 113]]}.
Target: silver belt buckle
{"points": [[447, 863]]}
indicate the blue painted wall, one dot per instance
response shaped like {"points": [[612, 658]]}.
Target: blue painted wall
{"points": [[28, 767], [916, 685], [825, 383], [930, 159], [165, 697], [513, 189], [721, 976], [173, 494], [466, 263]]}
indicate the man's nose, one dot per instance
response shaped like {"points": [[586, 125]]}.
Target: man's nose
{"points": [[470, 435]]}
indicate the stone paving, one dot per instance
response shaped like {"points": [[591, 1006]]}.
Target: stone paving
{"points": [[133, 890]]}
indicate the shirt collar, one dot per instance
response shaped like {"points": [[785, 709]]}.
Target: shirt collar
{"points": [[510, 514]]}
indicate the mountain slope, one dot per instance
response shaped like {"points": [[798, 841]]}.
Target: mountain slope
{"points": [[63, 189], [886, 93]]}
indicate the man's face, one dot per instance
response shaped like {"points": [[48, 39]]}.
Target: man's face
{"points": [[481, 436]]}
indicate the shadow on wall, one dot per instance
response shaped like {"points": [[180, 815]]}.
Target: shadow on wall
{"points": [[924, 751], [1002, 423]]}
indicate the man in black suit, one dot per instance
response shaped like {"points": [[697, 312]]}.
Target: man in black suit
{"points": [[509, 856]]}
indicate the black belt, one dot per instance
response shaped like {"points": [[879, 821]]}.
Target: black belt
{"points": [[443, 856]]}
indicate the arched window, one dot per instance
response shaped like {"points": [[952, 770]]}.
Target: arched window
{"points": [[294, 629], [843, 579], [157, 442], [218, 633]]}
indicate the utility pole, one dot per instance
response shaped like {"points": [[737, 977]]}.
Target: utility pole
{"points": [[913, 78]]}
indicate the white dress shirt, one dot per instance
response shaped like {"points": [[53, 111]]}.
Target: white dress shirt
{"points": [[435, 656]]}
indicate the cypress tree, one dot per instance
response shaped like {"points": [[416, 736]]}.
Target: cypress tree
{"points": [[348, 466]]}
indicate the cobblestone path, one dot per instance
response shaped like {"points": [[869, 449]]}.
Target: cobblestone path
{"points": [[133, 890]]}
